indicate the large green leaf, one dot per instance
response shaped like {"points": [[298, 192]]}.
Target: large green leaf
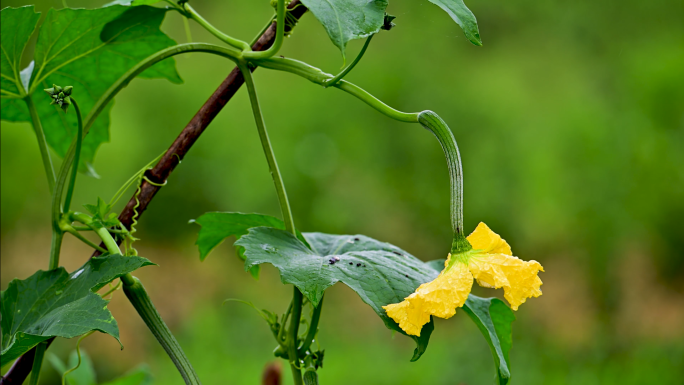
{"points": [[90, 50], [463, 17], [17, 27], [56, 303], [217, 226], [345, 20], [493, 318], [378, 272]]}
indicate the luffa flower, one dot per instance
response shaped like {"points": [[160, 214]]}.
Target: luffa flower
{"points": [[490, 262]]}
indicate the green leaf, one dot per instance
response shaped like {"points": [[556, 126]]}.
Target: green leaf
{"points": [[217, 226], [493, 318], [90, 50], [139, 376], [463, 17], [345, 20], [132, 3], [17, 27], [378, 272], [56, 303]]}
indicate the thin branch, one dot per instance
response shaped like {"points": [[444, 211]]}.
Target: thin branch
{"points": [[173, 156]]}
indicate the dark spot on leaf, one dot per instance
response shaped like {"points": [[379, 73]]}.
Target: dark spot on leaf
{"points": [[398, 253], [406, 275], [356, 239], [358, 264], [351, 263]]}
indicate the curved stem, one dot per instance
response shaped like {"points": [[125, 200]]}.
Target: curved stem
{"points": [[42, 143], [268, 150], [292, 336], [439, 128], [77, 155], [135, 71], [350, 67], [263, 30], [376, 103], [317, 76], [313, 328], [280, 34], [239, 44]]}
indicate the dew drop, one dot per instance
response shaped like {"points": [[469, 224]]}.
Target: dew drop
{"points": [[269, 248]]}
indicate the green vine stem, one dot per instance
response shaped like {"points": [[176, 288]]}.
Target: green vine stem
{"points": [[38, 363], [142, 303], [77, 156], [268, 149], [292, 336], [313, 328], [237, 43], [42, 143], [70, 163], [137, 295], [351, 66], [280, 34], [439, 128]]}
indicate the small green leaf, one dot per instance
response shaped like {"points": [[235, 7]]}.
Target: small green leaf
{"points": [[17, 27], [345, 20], [463, 17], [139, 376], [378, 272], [493, 318], [56, 303], [89, 49], [216, 227]]}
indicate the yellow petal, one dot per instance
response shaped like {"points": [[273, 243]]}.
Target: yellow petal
{"points": [[518, 278], [483, 238], [439, 297]]}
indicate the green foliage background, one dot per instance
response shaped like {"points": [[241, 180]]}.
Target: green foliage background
{"points": [[570, 121]]}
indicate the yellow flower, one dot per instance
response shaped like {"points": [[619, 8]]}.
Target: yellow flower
{"points": [[490, 262]]}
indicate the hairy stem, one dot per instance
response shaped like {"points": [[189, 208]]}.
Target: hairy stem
{"points": [[350, 67], [268, 150], [42, 143], [292, 336]]}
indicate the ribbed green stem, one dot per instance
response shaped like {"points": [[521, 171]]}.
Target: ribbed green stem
{"points": [[136, 293], [268, 150], [42, 143], [280, 34], [439, 128], [292, 336], [37, 363]]}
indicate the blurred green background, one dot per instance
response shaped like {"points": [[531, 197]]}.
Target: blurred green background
{"points": [[570, 122]]}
